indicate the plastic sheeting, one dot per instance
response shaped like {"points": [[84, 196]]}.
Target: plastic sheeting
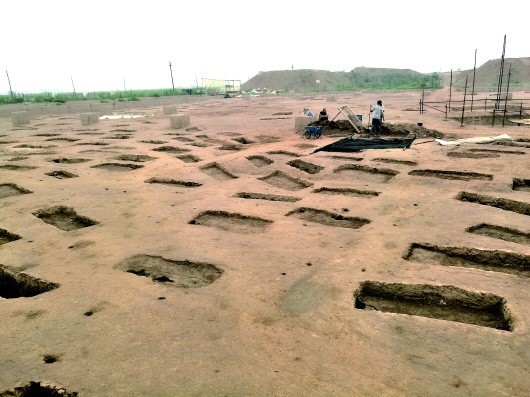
{"points": [[478, 139], [349, 144]]}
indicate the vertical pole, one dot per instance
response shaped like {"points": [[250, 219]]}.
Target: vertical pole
{"points": [[473, 89], [10, 89], [450, 89], [446, 111], [521, 111], [501, 73], [73, 86], [124, 86], [506, 98], [485, 103], [422, 99], [171, 72], [464, 105]]}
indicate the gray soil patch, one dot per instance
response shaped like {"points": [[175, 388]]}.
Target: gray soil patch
{"points": [[522, 185], [502, 233], [176, 273], [497, 261], [7, 237], [117, 166], [454, 175], [502, 203], [189, 158], [172, 182], [232, 222], [267, 138], [260, 161], [383, 174], [64, 218], [12, 167], [183, 139], [444, 302], [243, 140], [305, 146], [61, 174], [93, 144], [63, 139], [270, 197], [472, 155], [170, 149], [14, 284], [284, 153], [347, 192], [36, 389], [328, 218], [64, 160], [10, 189], [139, 158], [217, 171], [285, 181], [309, 168], [394, 161], [154, 142], [346, 158]]}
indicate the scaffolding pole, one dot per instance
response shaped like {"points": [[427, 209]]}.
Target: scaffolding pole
{"points": [[464, 105], [473, 89], [506, 98]]}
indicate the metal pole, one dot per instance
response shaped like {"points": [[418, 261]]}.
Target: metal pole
{"points": [[422, 100], [73, 86], [171, 72], [464, 105], [10, 89], [501, 73], [506, 98], [450, 90], [521, 111], [473, 89]]}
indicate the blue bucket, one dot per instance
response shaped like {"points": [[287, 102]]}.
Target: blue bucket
{"points": [[360, 117]]}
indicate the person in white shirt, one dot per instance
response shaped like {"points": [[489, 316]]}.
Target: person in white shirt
{"points": [[378, 116]]}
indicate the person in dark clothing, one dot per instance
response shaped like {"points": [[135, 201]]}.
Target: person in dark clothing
{"points": [[323, 116]]}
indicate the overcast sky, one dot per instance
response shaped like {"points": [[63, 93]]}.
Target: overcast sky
{"points": [[102, 44]]}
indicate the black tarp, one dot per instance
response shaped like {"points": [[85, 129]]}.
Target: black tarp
{"points": [[351, 144]]}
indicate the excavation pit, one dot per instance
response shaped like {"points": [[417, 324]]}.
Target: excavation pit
{"points": [[328, 218], [284, 153], [231, 222], [64, 160], [306, 167], [14, 284], [12, 167], [154, 142], [243, 140], [10, 189], [176, 273], [61, 174], [472, 155], [170, 149], [230, 147], [379, 174], [346, 158], [347, 192], [36, 389], [189, 158], [92, 144], [394, 161], [117, 166], [269, 197], [217, 171], [7, 237], [501, 233], [518, 207], [453, 175], [285, 181], [444, 302], [64, 218], [260, 161], [63, 139], [183, 139], [522, 185], [490, 260], [139, 158], [172, 182]]}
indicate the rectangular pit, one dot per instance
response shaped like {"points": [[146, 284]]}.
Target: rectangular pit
{"points": [[453, 175], [14, 284], [501, 233], [328, 218], [445, 302], [502, 203], [521, 185], [64, 218]]}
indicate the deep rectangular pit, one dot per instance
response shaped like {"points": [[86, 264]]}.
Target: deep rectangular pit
{"points": [[117, 166], [36, 389], [172, 182], [217, 171], [502, 203], [379, 174], [64, 218], [347, 192], [233, 222], [522, 185], [432, 301], [454, 175], [491, 260], [328, 218], [269, 197], [7, 237], [14, 284], [285, 181], [11, 189], [304, 166], [502, 233]]}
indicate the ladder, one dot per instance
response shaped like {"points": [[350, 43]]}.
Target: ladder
{"points": [[352, 118]]}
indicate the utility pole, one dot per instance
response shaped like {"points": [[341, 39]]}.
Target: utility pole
{"points": [[10, 89], [73, 86], [171, 72]]}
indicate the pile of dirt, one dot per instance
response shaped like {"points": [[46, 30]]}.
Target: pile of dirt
{"points": [[343, 127]]}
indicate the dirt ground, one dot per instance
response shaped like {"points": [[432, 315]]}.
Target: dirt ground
{"points": [[221, 267]]}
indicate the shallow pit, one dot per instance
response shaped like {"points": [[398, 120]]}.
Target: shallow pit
{"points": [[394, 161], [64, 218], [522, 185], [64, 160], [37, 389], [12, 167], [117, 166], [139, 158], [453, 175], [305, 166], [346, 158], [243, 140], [285, 181], [269, 197], [11, 189], [61, 174], [379, 174], [189, 158], [217, 171], [490, 260], [92, 144], [170, 149], [7, 237], [153, 141], [232, 222], [284, 153], [183, 139], [328, 218], [63, 139], [502, 203], [501, 233], [260, 161], [176, 273], [172, 182], [14, 284], [444, 302], [472, 155], [347, 192]]}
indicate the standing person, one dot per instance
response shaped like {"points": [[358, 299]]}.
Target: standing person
{"points": [[378, 116]]}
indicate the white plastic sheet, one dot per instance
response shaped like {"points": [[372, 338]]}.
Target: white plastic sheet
{"points": [[479, 139]]}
